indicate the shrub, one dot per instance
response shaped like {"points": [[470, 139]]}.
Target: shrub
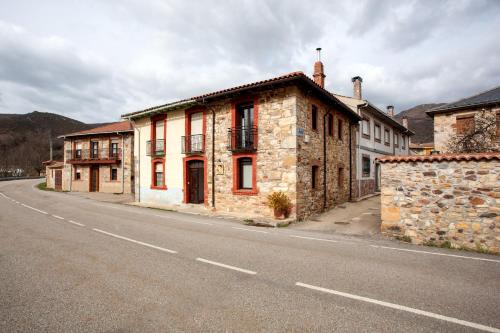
{"points": [[280, 203]]}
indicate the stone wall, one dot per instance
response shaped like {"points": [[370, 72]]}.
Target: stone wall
{"points": [[310, 152], [275, 156], [433, 200]]}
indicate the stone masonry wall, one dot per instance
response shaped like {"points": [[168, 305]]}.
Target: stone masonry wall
{"points": [[433, 202], [276, 153], [311, 201]]}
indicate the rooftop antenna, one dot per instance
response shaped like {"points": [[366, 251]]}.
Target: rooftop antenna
{"points": [[319, 53]]}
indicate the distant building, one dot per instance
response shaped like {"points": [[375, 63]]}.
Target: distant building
{"points": [[99, 159], [53, 174], [379, 135], [421, 148], [459, 116]]}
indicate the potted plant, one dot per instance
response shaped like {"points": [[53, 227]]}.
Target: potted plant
{"points": [[280, 203]]}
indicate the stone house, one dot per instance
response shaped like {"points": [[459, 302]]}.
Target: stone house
{"points": [[378, 135], [229, 149], [449, 199], [460, 116], [53, 174], [99, 159]]}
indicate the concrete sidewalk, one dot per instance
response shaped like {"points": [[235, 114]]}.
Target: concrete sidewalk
{"points": [[360, 218]]}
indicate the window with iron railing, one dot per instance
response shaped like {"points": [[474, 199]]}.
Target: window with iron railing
{"points": [[155, 148], [242, 138], [193, 144]]}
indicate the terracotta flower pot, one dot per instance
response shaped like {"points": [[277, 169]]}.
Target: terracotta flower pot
{"points": [[278, 213]]}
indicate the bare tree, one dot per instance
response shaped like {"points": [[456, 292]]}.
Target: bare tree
{"points": [[476, 135]]}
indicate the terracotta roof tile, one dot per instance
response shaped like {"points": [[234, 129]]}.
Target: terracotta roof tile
{"points": [[441, 157], [120, 126], [292, 75]]}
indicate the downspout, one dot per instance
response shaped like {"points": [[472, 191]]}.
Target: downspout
{"points": [[213, 158], [350, 161], [123, 162], [324, 159], [358, 157], [71, 167], [138, 176]]}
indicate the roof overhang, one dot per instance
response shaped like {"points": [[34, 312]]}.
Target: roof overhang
{"points": [[444, 109], [91, 134]]}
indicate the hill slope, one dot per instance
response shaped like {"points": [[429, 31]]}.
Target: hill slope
{"points": [[419, 122], [24, 139]]}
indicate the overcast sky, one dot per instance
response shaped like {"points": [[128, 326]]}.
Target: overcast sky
{"points": [[94, 60]]}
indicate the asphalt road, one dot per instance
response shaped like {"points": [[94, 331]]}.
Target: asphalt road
{"points": [[69, 264]]}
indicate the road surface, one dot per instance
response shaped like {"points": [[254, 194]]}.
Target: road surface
{"points": [[69, 264]]}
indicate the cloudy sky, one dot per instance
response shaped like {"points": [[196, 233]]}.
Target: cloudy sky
{"points": [[94, 60]]}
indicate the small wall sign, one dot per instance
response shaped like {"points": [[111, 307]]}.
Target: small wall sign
{"points": [[300, 131], [219, 169]]}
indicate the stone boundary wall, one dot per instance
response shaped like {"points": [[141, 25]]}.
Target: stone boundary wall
{"points": [[452, 201]]}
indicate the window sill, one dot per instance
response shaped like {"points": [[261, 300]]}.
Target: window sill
{"points": [[246, 192], [387, 144], [378, 140], [158, 187], [365, 136]]}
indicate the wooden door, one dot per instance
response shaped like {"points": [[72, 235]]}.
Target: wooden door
{"points": [[58, 180], [195, 182], [94, 179]]}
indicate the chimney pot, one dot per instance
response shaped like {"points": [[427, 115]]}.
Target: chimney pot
{"points": [[390, 110], [357, 87], [405, 122], [319, 73]]}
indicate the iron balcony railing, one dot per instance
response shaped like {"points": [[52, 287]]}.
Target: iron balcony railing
{"points": [[94, 154], [242, 138], [193, 144], [155, 147]]}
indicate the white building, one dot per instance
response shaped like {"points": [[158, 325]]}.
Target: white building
{"points": [[379, 135]]}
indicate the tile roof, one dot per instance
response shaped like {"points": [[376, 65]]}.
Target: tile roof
{"points": [[120, 126], [354, 103], [283, 78], [483, 98], [441, 157]]}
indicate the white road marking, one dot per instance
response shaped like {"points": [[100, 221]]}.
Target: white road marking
{"points": [[226, 266], [402, 308], [134, 241], [3, 195], [37, 210], [58, 217], [77, 223], [318, 239], [434, 253], [261, 231]]}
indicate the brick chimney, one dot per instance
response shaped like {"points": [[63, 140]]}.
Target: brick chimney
{"points": [[356, 81], [405, 122], [390, 110], [319, 74]]}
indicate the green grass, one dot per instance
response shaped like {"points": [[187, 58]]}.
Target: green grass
{"points": [[43, 187]]}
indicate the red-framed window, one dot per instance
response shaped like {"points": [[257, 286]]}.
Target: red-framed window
{"points": [[113, 173], [158, 134], [158, 174], [195, 137], [245, 174]]}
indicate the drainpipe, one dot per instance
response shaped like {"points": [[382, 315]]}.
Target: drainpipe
{"points": [[358, 137], [350, 161], [324, 159], [71, 167], [138, 176], [123, 162], [213, 158]]}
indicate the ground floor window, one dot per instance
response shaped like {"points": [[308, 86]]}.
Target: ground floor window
{"points": [[78, 173], [158, 175], [114, 174], [244, 173], [365, 166], [314, 176], [340, 178]]}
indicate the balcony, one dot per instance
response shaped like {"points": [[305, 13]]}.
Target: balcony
{"points": [[155, 147], [94, 156], [242, 139], [193, 144]]}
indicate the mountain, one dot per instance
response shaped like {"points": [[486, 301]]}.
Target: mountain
{"points": [[24, 139], [419, 122]]}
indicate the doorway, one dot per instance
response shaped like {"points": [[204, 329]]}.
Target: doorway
{"points": [[195, 182], [94, 179], [377, 177], [58, 180]]}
